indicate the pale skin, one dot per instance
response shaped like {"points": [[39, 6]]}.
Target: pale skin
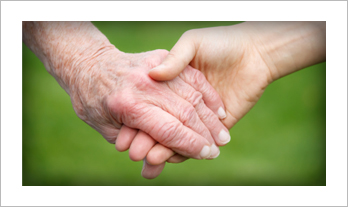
{"points": [[112, 92], [240, 61]]}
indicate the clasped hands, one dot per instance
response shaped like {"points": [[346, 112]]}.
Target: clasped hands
{"points": [[157, 121], [161, 108], [169, 106]]}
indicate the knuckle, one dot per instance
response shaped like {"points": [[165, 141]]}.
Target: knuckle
{"points": [[200, 83], [115, 107], [189, 33], [198, 78], [129, 106], [154, 58], [209, 119], [113, 102], [212, 95], [195, 97], [122, 107], [202, 111], [187, 114], [141, 81], [194, 77]]}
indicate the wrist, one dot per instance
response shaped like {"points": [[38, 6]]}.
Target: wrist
{"points": [[290, 46], [64, 47], [81, 63]]}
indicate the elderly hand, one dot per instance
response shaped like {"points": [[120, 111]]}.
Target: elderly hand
{"points": [[109, 88], [116, 91]]}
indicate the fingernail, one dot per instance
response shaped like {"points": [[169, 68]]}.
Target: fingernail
{"points": [[221, 113], [159, 67], [142, 170], [224, 137], [205, 152], [214, 151]]}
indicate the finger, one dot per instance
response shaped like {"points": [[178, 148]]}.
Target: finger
{"points": [[125, 138], [140, 146], [158, 154], [151, 171], [171, 132], [176, 159], [173, 101], [178, 58], [169, 119], [211, 98], [218, 131]]}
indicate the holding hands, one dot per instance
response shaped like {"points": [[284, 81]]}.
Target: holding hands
{"points": [[240, 61], [172, 106]]}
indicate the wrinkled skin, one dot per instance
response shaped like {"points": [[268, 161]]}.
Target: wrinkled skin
{"points": [[233, 66], [241, 61], [240, 79], [111, 90], [117, 91]]}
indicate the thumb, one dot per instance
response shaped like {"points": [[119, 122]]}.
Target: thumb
{"points": [[178, 58]]}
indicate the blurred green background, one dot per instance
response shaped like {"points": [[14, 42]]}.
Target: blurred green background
{"points": [[281, 141]]}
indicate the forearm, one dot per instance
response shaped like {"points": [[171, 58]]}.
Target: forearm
{"points": [[63, 45], [290, 46]]}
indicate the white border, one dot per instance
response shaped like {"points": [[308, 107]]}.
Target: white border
{"points": [[334, 194]]}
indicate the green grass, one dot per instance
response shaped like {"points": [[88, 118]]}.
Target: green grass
{"points": [[281, 141]]}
